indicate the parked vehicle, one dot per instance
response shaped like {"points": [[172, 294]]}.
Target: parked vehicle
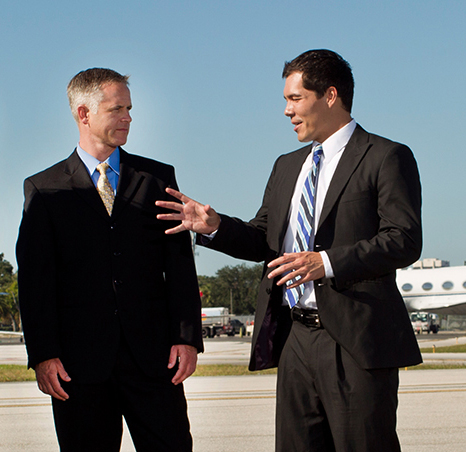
{"points": [[238, 327], [425, 322], [216, 321]]}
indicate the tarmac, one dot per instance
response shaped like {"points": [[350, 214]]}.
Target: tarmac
{"points": [[237, 413]]}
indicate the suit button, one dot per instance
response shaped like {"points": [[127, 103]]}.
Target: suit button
{"points": [[268, 290], [117, 253]]}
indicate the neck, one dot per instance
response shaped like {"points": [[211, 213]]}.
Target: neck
{"points": [[336, 125], [101, 153]]}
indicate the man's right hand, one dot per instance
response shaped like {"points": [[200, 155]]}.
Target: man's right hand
{"points": [[47, 373], [193, 215]]}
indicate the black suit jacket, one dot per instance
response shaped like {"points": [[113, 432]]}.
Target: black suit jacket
{"points": [[86, 278], [370, 225]]}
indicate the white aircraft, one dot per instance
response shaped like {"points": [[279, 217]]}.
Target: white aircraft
{"points": [[431, 285]]}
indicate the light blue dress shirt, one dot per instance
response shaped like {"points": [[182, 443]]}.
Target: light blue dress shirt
{"points": [[90, 162]]}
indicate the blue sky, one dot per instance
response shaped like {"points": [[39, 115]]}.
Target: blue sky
{"points": [[208, 95]]}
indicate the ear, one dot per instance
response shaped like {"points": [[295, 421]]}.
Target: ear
{"points": [[83, 114], [331, 96]]}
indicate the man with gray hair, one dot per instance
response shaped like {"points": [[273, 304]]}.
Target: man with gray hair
{"points": [[109, 330]]}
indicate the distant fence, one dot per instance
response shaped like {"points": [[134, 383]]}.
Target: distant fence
{"points": [[453, 322]]}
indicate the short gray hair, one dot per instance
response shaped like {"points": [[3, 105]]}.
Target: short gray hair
{"points": [[85, 88]]}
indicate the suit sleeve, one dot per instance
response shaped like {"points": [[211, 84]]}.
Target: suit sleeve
{"points": [[182, 288], [37, 279], [396, 215]]}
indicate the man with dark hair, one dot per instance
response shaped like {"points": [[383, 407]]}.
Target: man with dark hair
{"points": [[109, 330], [338, 217], [321, 70]]}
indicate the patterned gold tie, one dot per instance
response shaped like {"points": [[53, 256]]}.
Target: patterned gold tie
{"points": [[104, 187]]}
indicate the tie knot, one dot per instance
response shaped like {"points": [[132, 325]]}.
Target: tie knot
{"points": [[102, 168], [318, 151]]}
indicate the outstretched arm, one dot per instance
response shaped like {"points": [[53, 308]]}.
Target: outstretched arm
{"points": [[193, 215]]}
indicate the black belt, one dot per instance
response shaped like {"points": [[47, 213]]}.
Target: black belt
{"points": [[308, 317]]}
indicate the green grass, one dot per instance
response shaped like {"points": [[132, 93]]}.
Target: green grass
{"points": [[14, 372], [435, 366], [213, 370], [11, 372], [460, 348]]}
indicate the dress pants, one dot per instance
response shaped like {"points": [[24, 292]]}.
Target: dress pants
{"points": [[155, 411], [327, 403]]}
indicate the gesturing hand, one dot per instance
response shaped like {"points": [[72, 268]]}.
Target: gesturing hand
{"points": [[307, 264], [193, 215]]}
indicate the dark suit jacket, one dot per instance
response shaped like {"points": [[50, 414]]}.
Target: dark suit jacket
{"points": [[370, 225], [86, 278]]}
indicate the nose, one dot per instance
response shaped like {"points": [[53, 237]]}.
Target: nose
{"points": [[127, 117], [288, 110]]}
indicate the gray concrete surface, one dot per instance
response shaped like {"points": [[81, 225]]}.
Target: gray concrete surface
{"points": [[237, 413]]}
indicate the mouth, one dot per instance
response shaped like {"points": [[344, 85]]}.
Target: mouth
{"points": [[296, 125]]}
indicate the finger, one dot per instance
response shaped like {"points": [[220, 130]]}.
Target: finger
{"points": [[187, 366], [178, 195], [170, 205], [172, 358], [208, 209], [180, 376], [51, 386], [281, 260], [291, 280], [284, 268], [58, 392], [292, 284], [63, 373], [170, 216], [175, 230]]}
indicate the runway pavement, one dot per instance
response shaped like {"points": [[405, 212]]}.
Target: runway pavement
{"points": [[237, 413]]}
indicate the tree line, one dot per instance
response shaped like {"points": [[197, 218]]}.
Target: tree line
{"points": [[235, 288], [9, 308]]}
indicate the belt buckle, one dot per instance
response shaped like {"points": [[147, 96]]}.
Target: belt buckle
{"points": [[316, 320]]}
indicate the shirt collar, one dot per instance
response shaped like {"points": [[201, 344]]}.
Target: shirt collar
{"points": [[336, 142], [91, 162]]}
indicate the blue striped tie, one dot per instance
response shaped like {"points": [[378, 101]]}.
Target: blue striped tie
{"points": [[305, 222]]}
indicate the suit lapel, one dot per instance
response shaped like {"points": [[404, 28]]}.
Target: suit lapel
{"points": [[352, 155], [82, 184], [128, 184]]}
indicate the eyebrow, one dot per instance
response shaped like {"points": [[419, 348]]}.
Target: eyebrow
{"points": [[118, 106]]}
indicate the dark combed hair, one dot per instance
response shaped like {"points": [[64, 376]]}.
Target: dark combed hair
{"points": [[322, 69]]}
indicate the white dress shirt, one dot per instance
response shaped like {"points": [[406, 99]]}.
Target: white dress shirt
{"points": [[333, 148]]}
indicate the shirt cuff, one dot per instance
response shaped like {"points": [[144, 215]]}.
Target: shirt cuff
{"points": [[327, 265], [207, 238]]}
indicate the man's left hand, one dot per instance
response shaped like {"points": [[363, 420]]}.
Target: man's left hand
{"points": [[307, 264], [186, 355]]}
